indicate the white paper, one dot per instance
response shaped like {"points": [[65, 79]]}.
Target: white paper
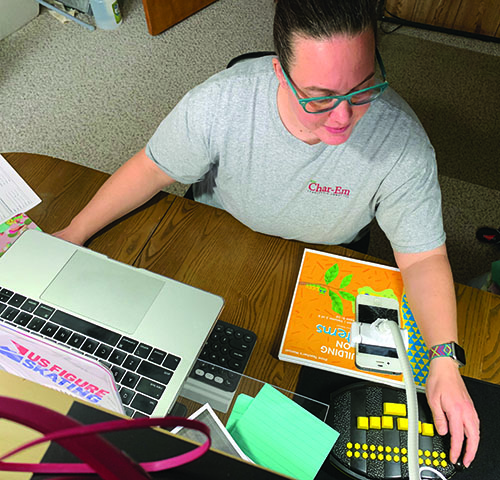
{"points": [[56, 367], [16, 196]]}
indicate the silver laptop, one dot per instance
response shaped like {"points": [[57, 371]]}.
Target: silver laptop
{"points": [[148, 329]]}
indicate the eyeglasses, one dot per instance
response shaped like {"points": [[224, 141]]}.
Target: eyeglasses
{"points": [[359, 97]]}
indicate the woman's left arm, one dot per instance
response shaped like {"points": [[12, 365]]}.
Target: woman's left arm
{"points": [[429, 287]]}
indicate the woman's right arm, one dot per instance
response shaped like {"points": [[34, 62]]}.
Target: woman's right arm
{"points": [[133, 184]]}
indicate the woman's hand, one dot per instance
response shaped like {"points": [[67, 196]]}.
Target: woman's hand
{"points": [[452, 408]]}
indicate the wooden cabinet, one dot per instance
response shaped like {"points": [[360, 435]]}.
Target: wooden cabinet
{"points": [[162, 14], [480, 17]]}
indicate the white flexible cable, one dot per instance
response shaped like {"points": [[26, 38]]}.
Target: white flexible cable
{"points": [[433, 470], [411, 400]]}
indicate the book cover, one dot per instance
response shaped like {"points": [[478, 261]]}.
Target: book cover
{"points": [[12, 229], [317, 331]]}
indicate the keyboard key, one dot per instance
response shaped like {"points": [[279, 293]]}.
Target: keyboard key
{"points": [[128, 411], [44, 311], [127, 344], [150, 388], [36, 324], [29, 305], [171, 362], [23, 319], [131, 363], [90, 345], [5, 295], [157, 356], [10, 314], [103, 351], [75, 340], [2, 307], [117, 372], [126, 395], [49, 329], [16, 300], [130, 380], [62, 335], [88, 329], [143, 350], [155, 372], [117, 357], [144, 404]]}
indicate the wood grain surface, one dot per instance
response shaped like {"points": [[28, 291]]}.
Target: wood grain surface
{"points": [[207, 248]]}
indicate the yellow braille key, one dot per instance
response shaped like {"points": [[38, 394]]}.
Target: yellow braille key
{"points": [[387, 422], [428, 429], [395, 409], [402, 423], [375, 423], [362, 423]]}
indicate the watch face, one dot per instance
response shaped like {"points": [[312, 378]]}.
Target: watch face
{"points": [[459, 353]]}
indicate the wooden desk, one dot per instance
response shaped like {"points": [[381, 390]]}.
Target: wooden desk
{"points": [[207, 248]]}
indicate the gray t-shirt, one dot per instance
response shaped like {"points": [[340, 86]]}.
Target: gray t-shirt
{"points": [[226, 134]]}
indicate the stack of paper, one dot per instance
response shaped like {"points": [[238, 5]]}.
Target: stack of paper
{"points": [[278, 434]]}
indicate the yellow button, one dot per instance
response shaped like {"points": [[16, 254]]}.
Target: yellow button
{"points": [[427, 453], [428, 429], [375, 423], [372, 447], [357, 446], [428, 461], [443, 464], [365, 455], [373, 456], [420, 461], [395, 449], [397, 409], [362, 423], [402, 424], [404, 459], [349, 453], [387, 422], [420, 452], [357, 454], [380, 456], [435, 462], [404, 451], [442, 455], [364, 446], [388, 449], [396, 458], [349, 445], [388, 458], [435, 454], [380, 448]]}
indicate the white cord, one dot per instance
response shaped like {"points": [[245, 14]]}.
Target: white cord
{"points": [[433, 470], [411, 399]]}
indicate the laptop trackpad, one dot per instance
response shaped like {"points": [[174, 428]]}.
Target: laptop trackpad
{"points": [[103, 290]]}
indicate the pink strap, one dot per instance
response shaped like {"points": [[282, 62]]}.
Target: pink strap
{"points": [[99, 455]]}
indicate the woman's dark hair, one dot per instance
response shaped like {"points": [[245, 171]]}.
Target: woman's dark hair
{"points": [[319, 19]]}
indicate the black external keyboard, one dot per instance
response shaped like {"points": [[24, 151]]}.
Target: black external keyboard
{"points": [[229, 347], [141, 371]]}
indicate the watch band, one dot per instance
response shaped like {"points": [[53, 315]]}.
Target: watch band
{"points": [[450, 349]]}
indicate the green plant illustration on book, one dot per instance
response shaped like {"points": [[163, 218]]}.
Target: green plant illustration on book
{"points": [[337, 294]]}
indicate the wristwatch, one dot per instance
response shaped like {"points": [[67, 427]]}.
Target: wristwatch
{"points": [[450, 349]]}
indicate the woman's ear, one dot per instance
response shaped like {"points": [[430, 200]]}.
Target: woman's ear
{"points": [[278, 71]]}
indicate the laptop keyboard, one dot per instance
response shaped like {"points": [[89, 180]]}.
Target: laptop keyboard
{"points": [[141, 371]]}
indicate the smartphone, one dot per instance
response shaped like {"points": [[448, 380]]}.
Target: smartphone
{"points": [[377, 358]]}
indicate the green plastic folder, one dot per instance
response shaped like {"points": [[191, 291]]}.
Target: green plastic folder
{"points": [[278, 434]]}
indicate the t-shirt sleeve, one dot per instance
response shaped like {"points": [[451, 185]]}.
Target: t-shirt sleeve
{"points": [[180, 145], [409, 203]]}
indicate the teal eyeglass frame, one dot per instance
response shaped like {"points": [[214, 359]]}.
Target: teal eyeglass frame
{"points": [[340, 98]]}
